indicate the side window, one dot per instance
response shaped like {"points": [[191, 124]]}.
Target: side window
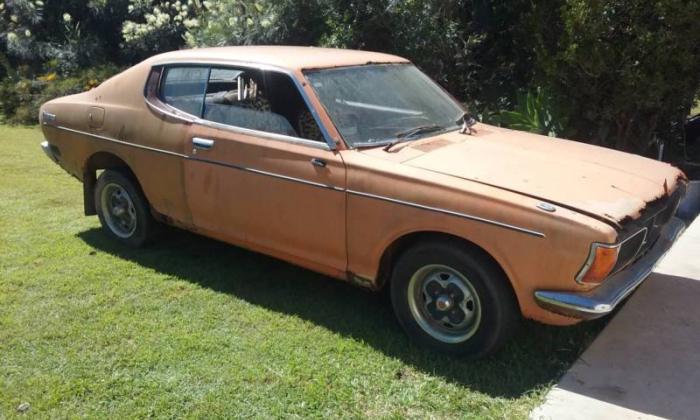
{"points": [[262, 101], [237, 97], [183, 88], [258, 100], [286, 100]]}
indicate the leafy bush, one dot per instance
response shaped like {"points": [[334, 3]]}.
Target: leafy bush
{"points": [[20, 98], [246, 22], [155, 26], [619, 73], [466, 45], [535, 112], [627, 69], [67, 34], [235, 22]]}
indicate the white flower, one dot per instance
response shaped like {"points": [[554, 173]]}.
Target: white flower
{"points": [[67, 17], [191, 23]]}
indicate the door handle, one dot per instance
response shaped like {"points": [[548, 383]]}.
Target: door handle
{"points": [[318, 162], [202, 144]]}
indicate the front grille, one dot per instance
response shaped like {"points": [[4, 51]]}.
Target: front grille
{"points": [[630, 248], [642, 233]]}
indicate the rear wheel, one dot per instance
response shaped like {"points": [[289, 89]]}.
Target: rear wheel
{"points": [[122, 208], [453, 299]]}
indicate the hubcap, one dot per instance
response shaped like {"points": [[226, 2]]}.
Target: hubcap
{"points": [[118, 210], [444, 303]]}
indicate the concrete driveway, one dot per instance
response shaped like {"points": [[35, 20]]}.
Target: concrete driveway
{"points": [[646, 362]]}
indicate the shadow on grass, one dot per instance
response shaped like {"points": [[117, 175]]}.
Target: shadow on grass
{"points": [[537, 355]]}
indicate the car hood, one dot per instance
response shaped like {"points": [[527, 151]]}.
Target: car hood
{"points": [[601, 182]]}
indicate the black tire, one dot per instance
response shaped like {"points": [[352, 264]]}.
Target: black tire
{"points": [[486, 289], [113, 182]]}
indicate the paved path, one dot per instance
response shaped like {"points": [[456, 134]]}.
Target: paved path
{"points": [[646, 362]]}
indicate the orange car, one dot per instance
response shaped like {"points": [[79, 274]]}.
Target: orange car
{"points": [[356, 165]]}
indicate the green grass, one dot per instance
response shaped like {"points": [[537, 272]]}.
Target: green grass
{"points": [[191, 326]]}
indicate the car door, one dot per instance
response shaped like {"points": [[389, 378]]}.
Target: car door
{"points": [[250, 179]]}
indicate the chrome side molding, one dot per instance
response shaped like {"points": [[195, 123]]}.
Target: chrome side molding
{"points": [[312, 183], [451, 213]]}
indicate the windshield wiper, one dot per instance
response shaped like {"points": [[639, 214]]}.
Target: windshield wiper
{"points": [[417, 130], [403, 135]]}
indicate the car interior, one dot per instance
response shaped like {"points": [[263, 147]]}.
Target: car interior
{"points": [[258, 100]]}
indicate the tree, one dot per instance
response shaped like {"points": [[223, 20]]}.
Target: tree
{"points": [[623, 69], [156, 26]]}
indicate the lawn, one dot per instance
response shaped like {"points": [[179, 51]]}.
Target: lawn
{"points": [[191, 326]]}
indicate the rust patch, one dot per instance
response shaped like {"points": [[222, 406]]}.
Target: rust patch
{"points": [[657, 204], [431, 145]]}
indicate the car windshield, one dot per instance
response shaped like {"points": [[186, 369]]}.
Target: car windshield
{"points": [[377, 104]]}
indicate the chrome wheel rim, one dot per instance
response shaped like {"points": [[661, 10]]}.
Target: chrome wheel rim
{"points": [[118, 210], [444, 303]]}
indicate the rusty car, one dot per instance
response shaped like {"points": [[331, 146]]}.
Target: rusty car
{"points": [[358, 166]]}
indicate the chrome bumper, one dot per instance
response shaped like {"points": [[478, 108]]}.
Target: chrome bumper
{"points": [[603, 299], [46, 147]]}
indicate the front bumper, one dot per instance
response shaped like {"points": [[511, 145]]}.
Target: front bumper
{"points": [[603, 299], [49, 151]]}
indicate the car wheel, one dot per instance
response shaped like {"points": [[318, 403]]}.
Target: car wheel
{"points": [[122, 208], [453, 299]]}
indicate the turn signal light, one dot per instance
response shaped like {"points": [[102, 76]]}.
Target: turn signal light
{"points": [[599, 265]]}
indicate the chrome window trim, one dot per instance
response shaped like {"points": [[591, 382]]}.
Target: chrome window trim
{"points": [[595, 245], [329, 142], [191, 119], [263, 134], [170, 111], [312, 183]]}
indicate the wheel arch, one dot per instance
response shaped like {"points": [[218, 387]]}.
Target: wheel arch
{"points": [[404, 242], [100, 161]]}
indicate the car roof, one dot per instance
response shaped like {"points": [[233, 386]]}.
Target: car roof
{"points": [[288, 57]]}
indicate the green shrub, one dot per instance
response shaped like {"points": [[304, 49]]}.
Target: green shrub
{"points": [[628, 70], [534, 112], [619, 73], [21, 97]]}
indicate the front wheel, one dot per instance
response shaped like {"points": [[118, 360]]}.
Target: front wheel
{"points": [[453, 299], [122, 208]]}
